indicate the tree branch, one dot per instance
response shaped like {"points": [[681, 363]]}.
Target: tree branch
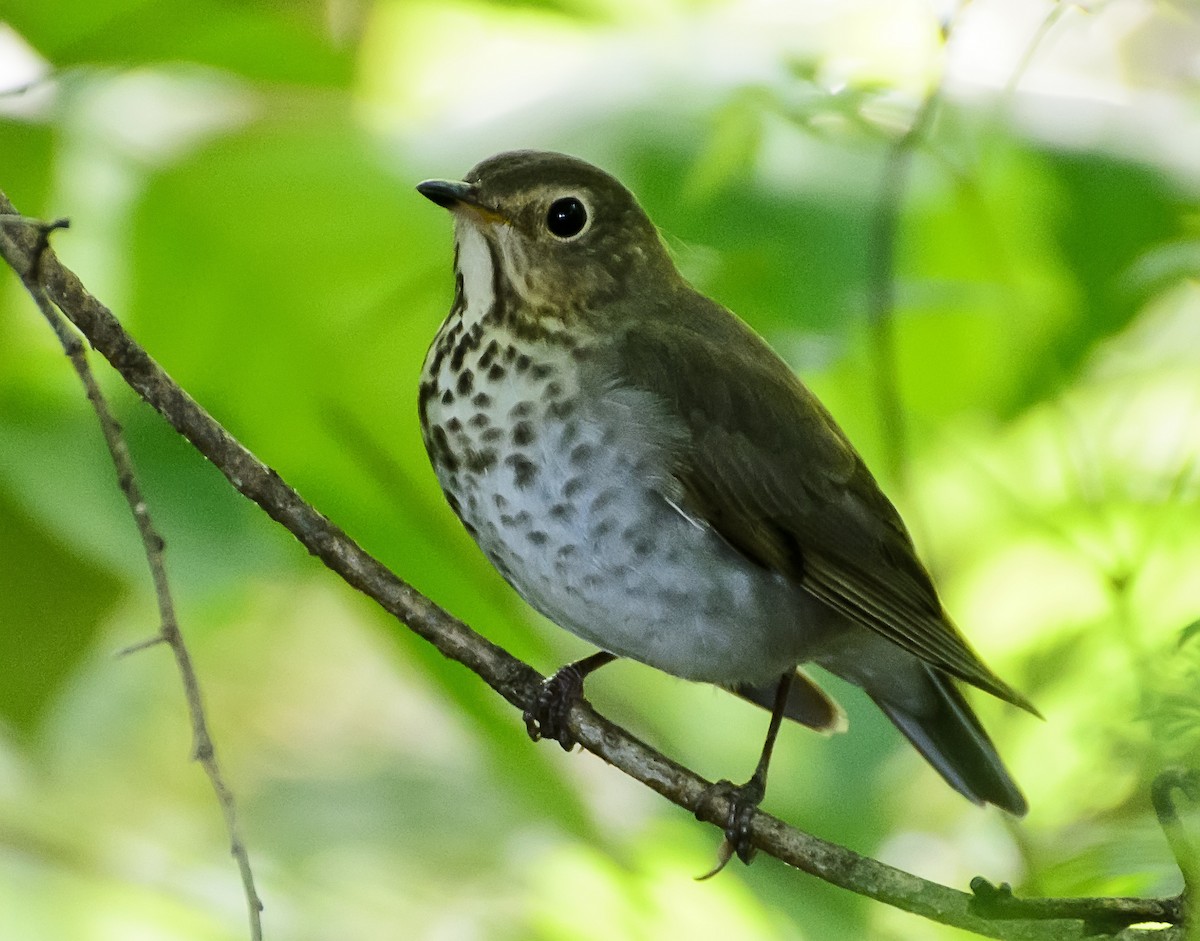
{"points": [[509, 677], [1187, 781], [1111, 915], [153, 545]]}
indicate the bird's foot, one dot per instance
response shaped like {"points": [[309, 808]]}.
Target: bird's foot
{"points": [[743, 804], [546, 714]]}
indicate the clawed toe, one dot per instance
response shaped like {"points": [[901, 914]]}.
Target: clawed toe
{"points": [[546, 715], [743, 803]]}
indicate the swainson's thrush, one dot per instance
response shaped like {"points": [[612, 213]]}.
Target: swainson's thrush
{"points": [[648, 474]]}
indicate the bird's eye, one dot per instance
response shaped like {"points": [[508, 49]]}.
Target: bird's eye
{"points": [[567, 217]]}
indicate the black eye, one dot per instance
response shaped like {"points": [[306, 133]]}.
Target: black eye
{"points": [[567, 217]]}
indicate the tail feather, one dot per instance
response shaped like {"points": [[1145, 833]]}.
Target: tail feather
{"points": [[807, 703], [948, 734]]}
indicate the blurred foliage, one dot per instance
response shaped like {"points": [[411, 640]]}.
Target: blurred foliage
{"points": [[239, 179]]}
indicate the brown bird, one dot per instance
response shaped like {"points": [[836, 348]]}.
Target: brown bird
{"points": [[648, 474]]}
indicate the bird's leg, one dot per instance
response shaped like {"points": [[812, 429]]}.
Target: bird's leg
{"points": [[745, 798], [546, 714]]}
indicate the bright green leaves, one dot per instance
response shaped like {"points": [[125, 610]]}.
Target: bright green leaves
{"points": [[258, 41]]}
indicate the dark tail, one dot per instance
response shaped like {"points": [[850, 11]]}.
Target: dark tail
{"points": [[947, 733]]}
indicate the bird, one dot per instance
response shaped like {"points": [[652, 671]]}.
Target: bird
{"points": [[647, 473]]}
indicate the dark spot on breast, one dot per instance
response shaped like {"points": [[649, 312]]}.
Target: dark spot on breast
{"points": [[603, 498], [522, 434], [492, 435], [540, 371], [643, 547], [440, 452], [479, 420], [521, 410], [572, 487], [523, 362], [488, 354], [524, 470], [510, 353], [565, 552], [454, 424], [562, 511], [554, 389], [467, 343], [563, 338], [466, 379], [570, 433], [561, 408], [500, 501], [527, 328], [581, 453], [602, 528], [480, 461], [495, 373], [538, 538], [447, 397], [481, 400], [456, 358]]}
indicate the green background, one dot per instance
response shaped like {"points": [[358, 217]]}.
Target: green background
{"points": [[240, 183]]}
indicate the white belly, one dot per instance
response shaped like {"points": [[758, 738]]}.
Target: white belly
{"points": [[570, 501]]}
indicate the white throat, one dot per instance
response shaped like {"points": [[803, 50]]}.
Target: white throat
{"points": [[475, 266]]}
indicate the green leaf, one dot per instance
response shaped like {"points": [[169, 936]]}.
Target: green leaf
{"points": [[52, 603], [281, 43]]}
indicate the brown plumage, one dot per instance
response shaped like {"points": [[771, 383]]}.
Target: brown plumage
{"points": [[648, 474]]}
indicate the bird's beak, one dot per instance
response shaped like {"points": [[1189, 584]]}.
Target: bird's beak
{"points": [[455, 195]]}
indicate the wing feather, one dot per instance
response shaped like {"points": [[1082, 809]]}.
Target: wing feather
{"points": [[766, 465]]}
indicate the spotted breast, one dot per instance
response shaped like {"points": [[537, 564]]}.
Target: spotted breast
{"points": [[570, 496]]}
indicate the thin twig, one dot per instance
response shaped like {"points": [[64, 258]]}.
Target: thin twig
{"points": [[881, 273], [512, 679], [998, 901], [1107, 915], [1162, 792], [142, 645], [1056, 13], [153, 545]]}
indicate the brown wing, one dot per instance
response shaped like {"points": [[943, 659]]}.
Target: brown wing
{"points": [[765, 464]]}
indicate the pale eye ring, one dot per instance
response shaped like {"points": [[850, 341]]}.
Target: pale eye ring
{"points": [[567, 217]]}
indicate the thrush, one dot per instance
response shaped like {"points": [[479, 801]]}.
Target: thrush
{"points": [[648, 474]]}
